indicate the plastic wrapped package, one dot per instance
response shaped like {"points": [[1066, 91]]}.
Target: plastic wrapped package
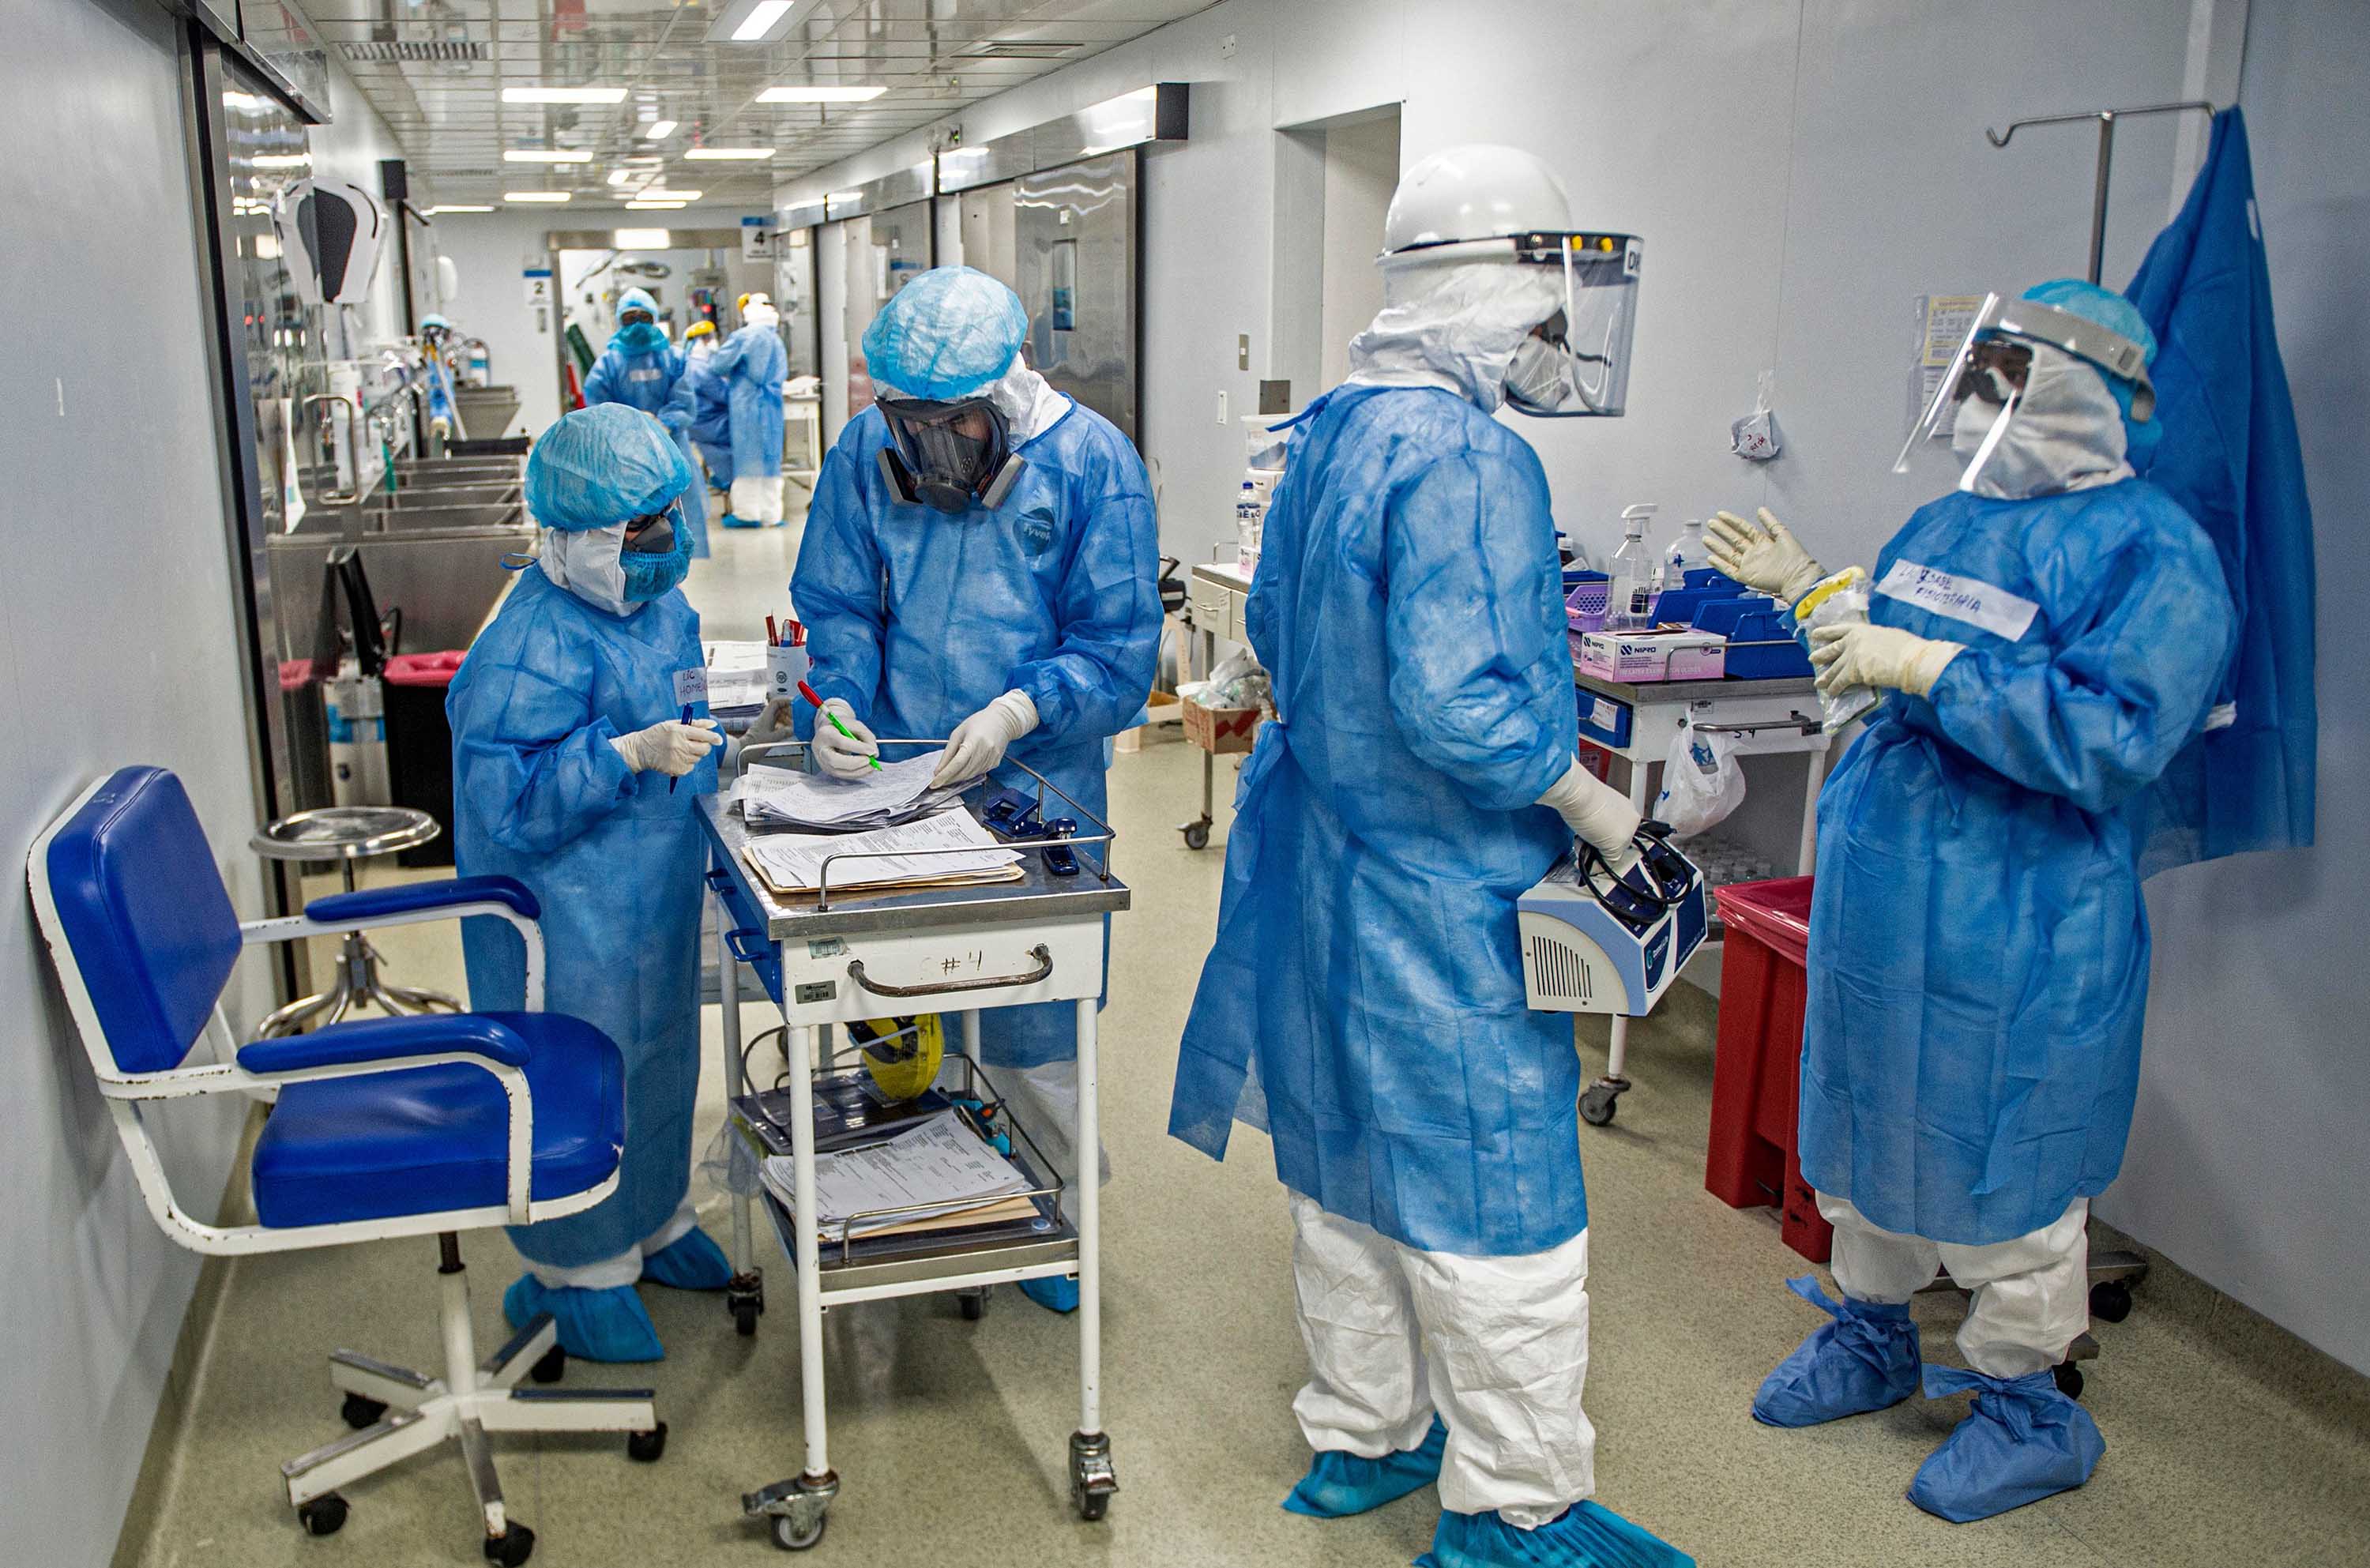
{"points": [[1839, 600]]}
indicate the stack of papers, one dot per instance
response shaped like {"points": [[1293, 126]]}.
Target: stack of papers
{"points": [[792, 864], [899, 792], [941, 1162], [736, 676]]}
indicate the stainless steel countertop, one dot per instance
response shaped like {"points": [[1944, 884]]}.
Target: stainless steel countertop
{"points": [[1038, 894]]}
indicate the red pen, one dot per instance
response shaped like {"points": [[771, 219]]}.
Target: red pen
{"points": [[771, 639]]}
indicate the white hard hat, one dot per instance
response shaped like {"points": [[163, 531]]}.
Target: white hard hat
{"points": [[1475, 192]]}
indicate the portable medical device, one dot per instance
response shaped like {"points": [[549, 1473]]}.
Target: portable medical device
{"points": [[1593, 944]]}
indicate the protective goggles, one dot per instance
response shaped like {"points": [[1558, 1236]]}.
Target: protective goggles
{"points": [[1588, 374], [636, 318], [652, 534], [948, 454], [1996, 354]]}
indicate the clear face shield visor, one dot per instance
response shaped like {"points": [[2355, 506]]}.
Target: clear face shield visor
{"points": [[1995, 355], [1580, 365]]}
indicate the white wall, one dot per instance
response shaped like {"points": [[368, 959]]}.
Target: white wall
{"points": [[116, 646], [2249, 1153], [492, 251], [1800, 170]]}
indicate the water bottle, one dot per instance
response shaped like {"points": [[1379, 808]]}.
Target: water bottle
{"points": [[1250, 515], [1688, 553]]}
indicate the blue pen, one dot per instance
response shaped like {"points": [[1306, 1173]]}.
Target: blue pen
{"points": [[684, 720]]}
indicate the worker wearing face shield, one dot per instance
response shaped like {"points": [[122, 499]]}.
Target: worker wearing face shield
{"points": [[979, 564], [1363, 1002], [642, 370], [2048, 637], [580, 747]]}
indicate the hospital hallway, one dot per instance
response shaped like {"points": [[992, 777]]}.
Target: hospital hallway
{"points": [[2227, 1439]]}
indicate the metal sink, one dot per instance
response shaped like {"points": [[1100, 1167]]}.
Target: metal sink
{"points": [[420, 473]]}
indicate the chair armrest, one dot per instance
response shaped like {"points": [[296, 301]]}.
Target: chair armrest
{"points": [[407, 898], [388, 1040]]}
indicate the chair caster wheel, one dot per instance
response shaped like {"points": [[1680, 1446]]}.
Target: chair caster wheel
{"points": [[2110, 1301], [790, 1536], [1197, 835], [646, 1446], [2069, 1379], [1597, 1105], [974, 1304], [549, 1367], [324, 1516], [510, 1547], [359, 1410]]}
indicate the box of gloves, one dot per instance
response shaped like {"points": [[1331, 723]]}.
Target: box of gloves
{"points": [[1664, 653]]}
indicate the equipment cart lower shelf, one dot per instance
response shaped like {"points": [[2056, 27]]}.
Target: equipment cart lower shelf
{"points": [[841, 958]]}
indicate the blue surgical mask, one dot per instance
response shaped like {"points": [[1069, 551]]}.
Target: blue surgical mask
{"points": [[641, 337], [647, 575]]}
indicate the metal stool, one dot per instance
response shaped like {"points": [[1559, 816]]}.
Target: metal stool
{"points": [[348, 834]]}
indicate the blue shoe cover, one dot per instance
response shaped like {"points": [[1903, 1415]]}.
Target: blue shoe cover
{"points": [[1865, 1360], [731, 521], [2023, 1441], [595, 1325], [1059, 1294], [691, 1262], [1586, 1536], [1340, 1483]]}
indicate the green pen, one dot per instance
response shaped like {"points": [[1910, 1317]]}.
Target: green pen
{"points": [[809, 693]]}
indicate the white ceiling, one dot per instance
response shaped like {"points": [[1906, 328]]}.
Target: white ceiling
{"points": [[436, 69]]}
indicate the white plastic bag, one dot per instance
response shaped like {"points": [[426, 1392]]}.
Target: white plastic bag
{"points": [[1754, 437], [1701, 782], [1839, 600]]}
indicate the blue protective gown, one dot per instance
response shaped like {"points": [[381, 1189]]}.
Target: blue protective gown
{"points": [[652, 382], [614, 857], [754, 365], [918, 620], [1409, 607], [711, 418], [1979, 949]]}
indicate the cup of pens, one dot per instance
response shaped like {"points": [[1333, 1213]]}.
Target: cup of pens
{"points": [[786, 657]]}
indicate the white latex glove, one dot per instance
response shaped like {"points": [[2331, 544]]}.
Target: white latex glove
{"points": [[773, 725], [834, 753], [669, 746], [1762, 556], [1883, 656], [980, 741], [1598, 813]]}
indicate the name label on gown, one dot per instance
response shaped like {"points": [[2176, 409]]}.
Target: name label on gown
{"points": [[690, 687], [642, 374], [1968, 599]]}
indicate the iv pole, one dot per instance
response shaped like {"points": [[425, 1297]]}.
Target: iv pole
{"points": [[2106, 118]]}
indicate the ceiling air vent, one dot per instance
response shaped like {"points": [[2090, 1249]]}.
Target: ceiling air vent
{"points": [[1020, 49], [434, 52]]}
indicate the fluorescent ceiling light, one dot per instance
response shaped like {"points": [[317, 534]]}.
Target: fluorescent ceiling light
{"points": [[563, 95], [619, 176], [728, 154], [648, 206], [545, 154], [281, 160], [534, 195], [659, 193], [760, 16], [658, 130], [641, 239], [845, 196], [819, 95], [439, 211]]}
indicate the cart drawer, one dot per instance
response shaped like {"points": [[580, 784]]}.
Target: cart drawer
{"points": [[1213, 609], [936, 969]]}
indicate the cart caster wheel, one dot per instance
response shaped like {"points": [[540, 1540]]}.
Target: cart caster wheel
{"points": [[324, 1516], [549, 1367], [791, 1537], [1093, 1506], [360, 1411], [510, 1547], [744, 1318], [2069, 1379], [1197, 836], [646, 1446], [974, 1304], [1596, 1106], [2110, 1301]]}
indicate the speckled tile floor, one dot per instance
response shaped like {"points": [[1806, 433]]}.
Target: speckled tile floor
{"points": [[2226, 1440]]}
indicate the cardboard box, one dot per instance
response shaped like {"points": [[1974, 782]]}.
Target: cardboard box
{"points": [[1221, 730], [1641, 657]]}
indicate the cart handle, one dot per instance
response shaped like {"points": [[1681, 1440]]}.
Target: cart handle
{"points": [[748, 944], [1044, 971]]}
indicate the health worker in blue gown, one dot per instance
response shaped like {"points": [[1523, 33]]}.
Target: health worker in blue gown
{"points": [[2047, 636], [754, 365], [574, 771], [979, 563], [642, 370], [1363, 1001]]}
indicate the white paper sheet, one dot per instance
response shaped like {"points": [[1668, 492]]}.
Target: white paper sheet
{"points": [[796, 860], [939, 1161], [777, 797]]}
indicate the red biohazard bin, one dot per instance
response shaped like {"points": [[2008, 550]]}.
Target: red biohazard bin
{"points": [[1763, 986]]}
